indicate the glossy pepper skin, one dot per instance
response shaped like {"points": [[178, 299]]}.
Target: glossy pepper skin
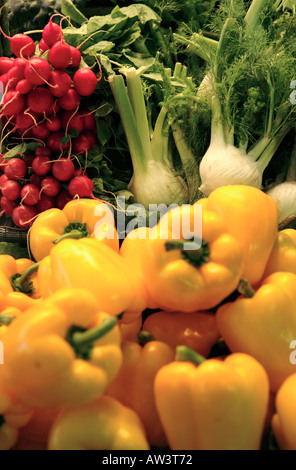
{"points": [[133, 385], [197, 330], [102, 425], [10, 271], [12, 416], [57, 346], [251, 217], [132, 250], [283, 254], [264, 325], [219, 405], [79, 218], [284, 419], [181, 275], [97, 268]]}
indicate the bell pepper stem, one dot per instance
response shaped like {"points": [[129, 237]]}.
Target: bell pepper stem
{"points": [[73, 234], [74, 230], [196, 255], [245, 288], [22, 282], [183, 353], [6, 319], [145, 337], [80, 339]]}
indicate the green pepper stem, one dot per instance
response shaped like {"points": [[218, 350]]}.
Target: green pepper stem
{"points": [[74, 230], [6, 319], [89, 336], [22, 282], [186, 354], [196, 255], [245, 288], [73, 234], [145, 337]]}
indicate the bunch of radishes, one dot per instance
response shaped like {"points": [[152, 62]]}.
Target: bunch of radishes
{"points": [[42, 101]]}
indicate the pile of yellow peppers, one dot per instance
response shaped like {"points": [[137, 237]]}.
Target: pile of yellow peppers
{"points": [[157, 342]]}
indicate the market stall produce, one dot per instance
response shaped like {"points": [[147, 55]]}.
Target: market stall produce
{"points": [[148, 303]]}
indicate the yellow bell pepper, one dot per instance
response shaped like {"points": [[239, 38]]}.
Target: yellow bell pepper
{"points": [[97, 268], [197, 330], [18, 276], [284, 419], [264, 325], [219, 405], [133, 385], [251, 216], [12, 416], [182, 275], [61, 353], [132, 250], [283, 254], [104, 424], [78, 219]]}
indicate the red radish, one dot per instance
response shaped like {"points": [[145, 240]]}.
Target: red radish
{"points": [[20, 63], [37, 71], [85, 81], [40, 131], [14, 75], [25, 120], [50, 186], [60, 55], [43, 151], [43, 47], [40, 100], [54, 109], [30, 194], [7, 206], [24, 86], [41, 165], [5, 64], [89, 120], [4, 82], [81, 186], [54, 142], [13, 103], [72, 120], [11, 189], [21, 45], [70, 101], [3, 179], [28, 159], [75, 57], [62, 199], [23, 215], [60, 83], [63, 169], [45, 203], [83, 143], [91, 138], [80, 172], [15, 169], [51, 33], [36, 180], [53, 124]]}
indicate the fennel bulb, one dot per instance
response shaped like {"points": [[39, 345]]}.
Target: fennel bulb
{"points": [[158, 184], [225, 164], [284, 195]]}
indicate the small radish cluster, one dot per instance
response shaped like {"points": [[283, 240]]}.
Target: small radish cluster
{"points": [[42, 102], [34, 183]]}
